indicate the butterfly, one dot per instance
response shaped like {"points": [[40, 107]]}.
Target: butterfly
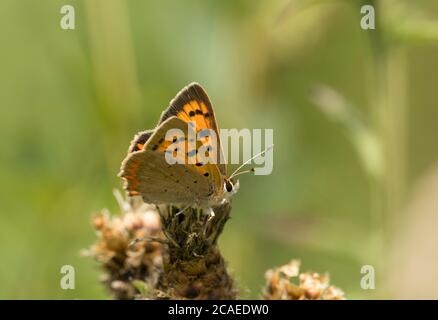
{"points": [[148, 174]]}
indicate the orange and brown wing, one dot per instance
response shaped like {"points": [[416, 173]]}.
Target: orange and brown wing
{"points": [[147, 173], [193, 104], [140, 140]]}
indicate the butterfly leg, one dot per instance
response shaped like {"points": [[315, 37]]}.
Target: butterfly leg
{"points": [[182, 210], [211, 213]]}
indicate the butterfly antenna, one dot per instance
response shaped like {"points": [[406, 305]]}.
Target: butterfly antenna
{"points": [[242, 172], [235, 173]]}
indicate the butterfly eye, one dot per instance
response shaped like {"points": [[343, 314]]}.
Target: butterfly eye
{"points": [[228, 186]]}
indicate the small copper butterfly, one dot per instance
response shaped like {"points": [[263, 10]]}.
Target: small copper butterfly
{"points": [[147, 173]]}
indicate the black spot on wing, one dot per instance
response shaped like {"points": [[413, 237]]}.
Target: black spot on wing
{"points": [[204, 133], [192, 153]]}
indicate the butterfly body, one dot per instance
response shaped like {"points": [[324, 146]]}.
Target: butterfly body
{"points": [[190, 182]]}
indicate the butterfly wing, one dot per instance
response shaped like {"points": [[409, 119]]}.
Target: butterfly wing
{"points": [[140, 140], [193, 104], [147, 173]]}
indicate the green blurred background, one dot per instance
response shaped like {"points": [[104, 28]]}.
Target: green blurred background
{"points": [[354, 115]]}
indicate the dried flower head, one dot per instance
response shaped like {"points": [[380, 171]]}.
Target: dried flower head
{"points": [[280, 285], [130, 266], [193, 265], [162, 252]]}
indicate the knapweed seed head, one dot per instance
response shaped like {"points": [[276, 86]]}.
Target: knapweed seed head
{"points": [[287, 283]]}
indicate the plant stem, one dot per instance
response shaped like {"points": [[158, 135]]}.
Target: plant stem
{"points": [[389, 109]]}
